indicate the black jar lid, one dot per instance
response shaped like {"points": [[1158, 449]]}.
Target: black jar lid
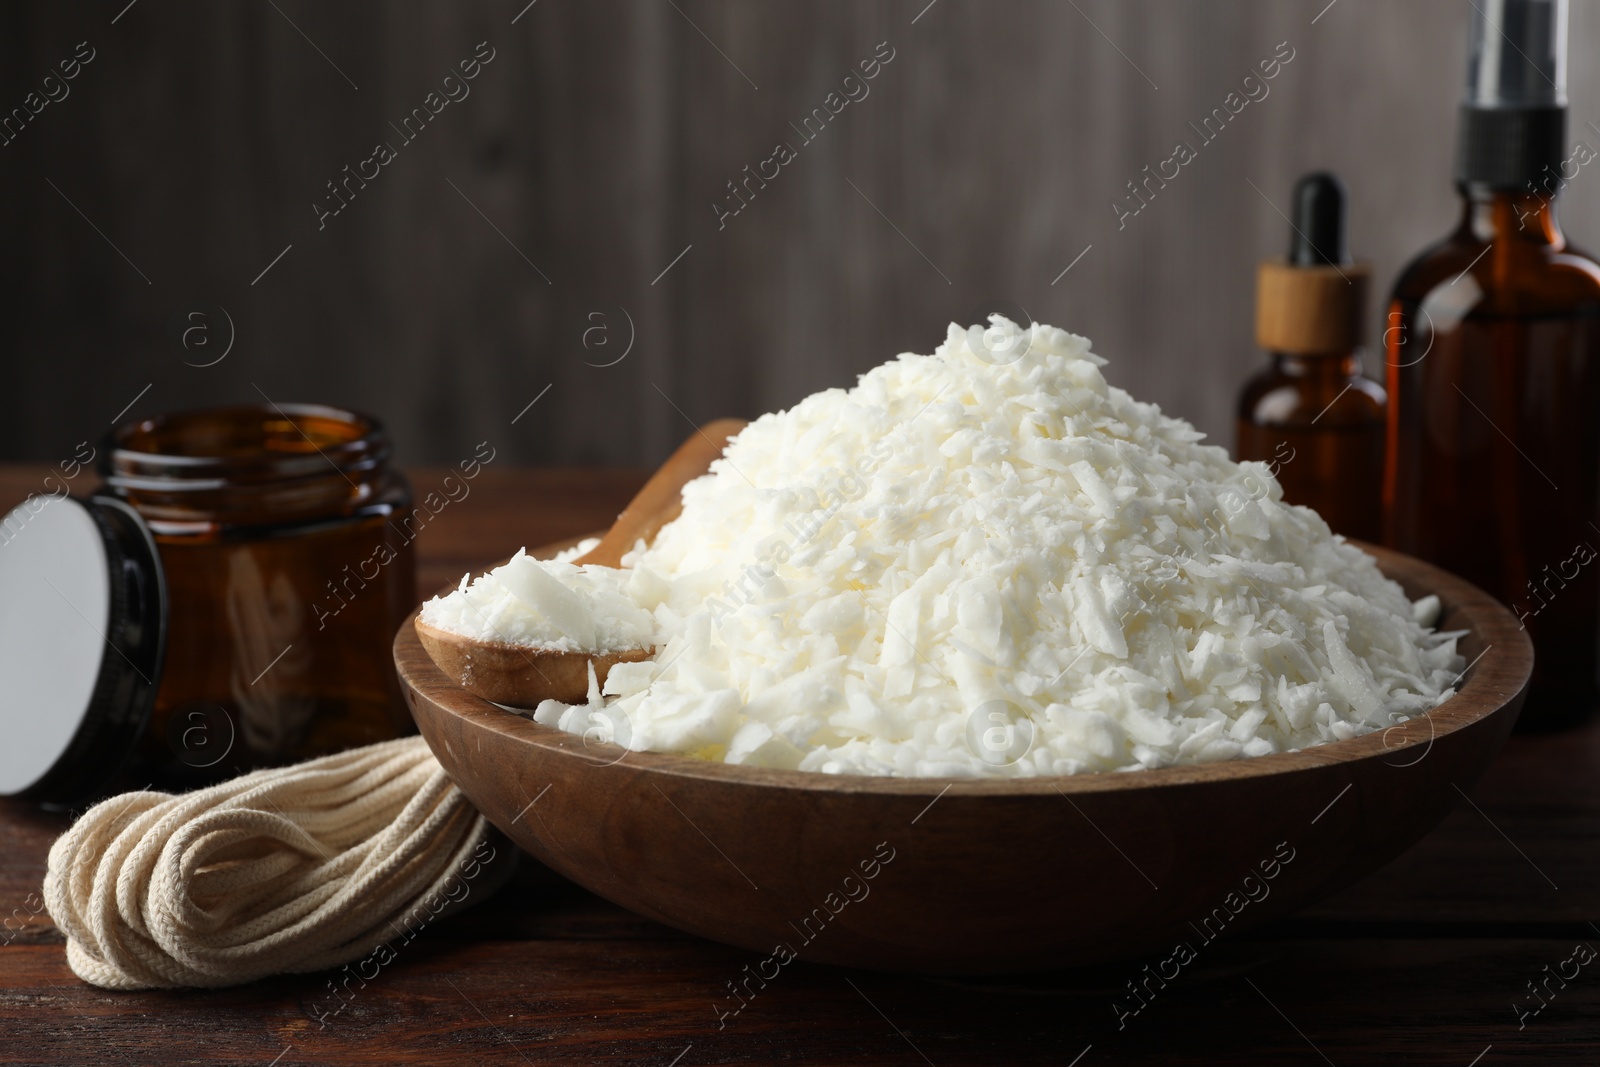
{"points": [[83, 614]]}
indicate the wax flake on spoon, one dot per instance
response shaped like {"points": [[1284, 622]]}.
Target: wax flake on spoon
{"points": [[545, 604]]}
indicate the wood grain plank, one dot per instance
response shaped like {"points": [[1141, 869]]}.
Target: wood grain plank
{"points": [[446, 998], [594, 146]]}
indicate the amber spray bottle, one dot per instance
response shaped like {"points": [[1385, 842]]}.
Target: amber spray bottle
{"points": [[1313, 416], [1492, 349]]}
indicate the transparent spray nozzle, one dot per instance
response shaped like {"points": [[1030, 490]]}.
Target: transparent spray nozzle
{"points": [[1517, 54]]}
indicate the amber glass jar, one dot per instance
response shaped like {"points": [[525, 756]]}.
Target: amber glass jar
{"points": [[286, 580]]}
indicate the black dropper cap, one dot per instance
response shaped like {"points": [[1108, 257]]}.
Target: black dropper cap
{"points": [[1513, 120], [1317, 237], [1311, 302]]}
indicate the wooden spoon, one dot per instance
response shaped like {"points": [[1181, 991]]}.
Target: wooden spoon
{"points": [[524, 675]]}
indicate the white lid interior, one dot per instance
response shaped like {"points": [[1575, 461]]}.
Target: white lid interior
{"points": [[55, 604]]}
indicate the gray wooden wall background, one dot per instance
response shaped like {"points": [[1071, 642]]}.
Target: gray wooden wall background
{"points": [[188, 154]]}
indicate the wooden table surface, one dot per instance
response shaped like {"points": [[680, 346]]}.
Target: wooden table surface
{"points": [[1429, 961]]}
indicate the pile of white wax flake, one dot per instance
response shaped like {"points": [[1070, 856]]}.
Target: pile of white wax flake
{"points": [[988, 561]]}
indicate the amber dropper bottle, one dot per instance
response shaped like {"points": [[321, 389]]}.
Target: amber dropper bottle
{"points": [[1493, 358], [1312, 415]]}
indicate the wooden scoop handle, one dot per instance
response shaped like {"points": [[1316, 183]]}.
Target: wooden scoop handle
{"points": [[661, 499]]}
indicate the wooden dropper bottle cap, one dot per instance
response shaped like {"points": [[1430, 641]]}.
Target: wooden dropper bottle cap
{"points": [[1313, 301]]}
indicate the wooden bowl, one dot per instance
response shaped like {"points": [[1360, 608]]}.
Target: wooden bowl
{"points": [[960, 875]]}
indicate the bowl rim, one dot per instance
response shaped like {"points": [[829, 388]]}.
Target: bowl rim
{"points": [[1493, 679]]}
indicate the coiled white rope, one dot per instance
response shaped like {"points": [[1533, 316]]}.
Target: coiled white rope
{"points": [[290, 869]]}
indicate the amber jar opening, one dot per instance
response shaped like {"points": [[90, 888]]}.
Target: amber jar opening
{"points": [[248, 464]]}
